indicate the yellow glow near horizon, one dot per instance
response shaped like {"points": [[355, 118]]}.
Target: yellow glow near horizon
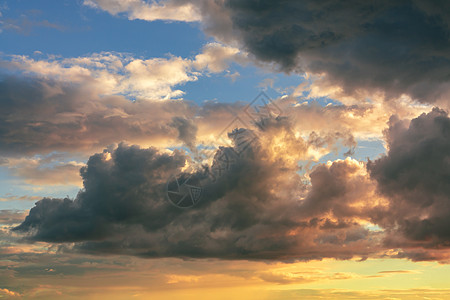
{"points": [[219, 279]]}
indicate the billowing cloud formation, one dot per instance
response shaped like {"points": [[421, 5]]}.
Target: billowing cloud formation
{"points": [[415, 177], [398, 47], [256, 206], [115, 192], [260, 208]]}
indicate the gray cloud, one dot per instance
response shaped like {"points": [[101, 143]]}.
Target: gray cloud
{"points": [[252, 211], [128, 188], [399, 47], [415, 177], [260, 208], [187, 131]]}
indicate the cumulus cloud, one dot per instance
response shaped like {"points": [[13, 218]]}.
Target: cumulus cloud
{"points": [[216, 58], [122, 74], [260, 208], [123, 203], [340, 188], [414, 176]]}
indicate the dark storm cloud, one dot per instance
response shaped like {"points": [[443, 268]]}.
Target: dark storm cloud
{"points": [[253, 211], [415, 177], [122, 189], [394, 46]]}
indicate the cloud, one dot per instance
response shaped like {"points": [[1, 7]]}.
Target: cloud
{"points": [[187, 131], [397, 272], [122, 74], [83, 104], [38, 171], [171, 10], [72, 106], [414, 176], [373, 294], [43, 115], [37, 120], [258, 209], [257, 206], [271, 198], [339, 188], [26, 23], [216, 57], [340, 46], [283, 276], [140, 174], [325, 124], [351, 50], [10, 217], [393, 48], [9, 293], [80, 104], [9, 197]]}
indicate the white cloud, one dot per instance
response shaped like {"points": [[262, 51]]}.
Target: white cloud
{"points": [[143, 10], [216, 57], [116, 73]]}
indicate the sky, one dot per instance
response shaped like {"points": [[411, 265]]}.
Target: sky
{"points": [[221, 149]]}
